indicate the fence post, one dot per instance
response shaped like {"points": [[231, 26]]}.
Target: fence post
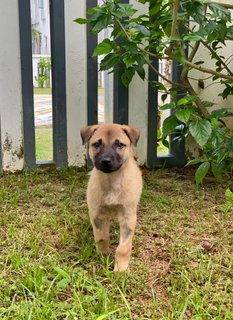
{"points": [[57, 27], [27, 83]]}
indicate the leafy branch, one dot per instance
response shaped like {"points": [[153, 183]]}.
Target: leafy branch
{"points": [[174, 31]]}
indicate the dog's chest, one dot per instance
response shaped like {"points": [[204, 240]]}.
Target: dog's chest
{"points": [[112, 193]]}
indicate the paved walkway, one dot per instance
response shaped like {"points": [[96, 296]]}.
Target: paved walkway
{"points": [[43, 110]]}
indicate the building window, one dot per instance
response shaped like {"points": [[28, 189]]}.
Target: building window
{"points": [[41, 4]]}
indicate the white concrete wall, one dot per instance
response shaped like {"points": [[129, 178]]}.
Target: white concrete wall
{"points": [[138, 102], [213, 88], [10, 87], [76, 80]]}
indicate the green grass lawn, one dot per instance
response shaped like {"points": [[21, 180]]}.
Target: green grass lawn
{"points": [[42, 90], [181, 265], [44, 143]]}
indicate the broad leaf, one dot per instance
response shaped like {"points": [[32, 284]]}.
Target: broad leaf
{"points": [[192, 37], [169, 125], [216, 172], [186, 100], [202, 172], [104, 47], [194, 161], [183, 115], [167, 106], [127, 76], [81, 20], [201, 131], [109, 61]]}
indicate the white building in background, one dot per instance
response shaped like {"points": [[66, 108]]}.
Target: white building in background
{"points": [[40, 21], [40, 24]]}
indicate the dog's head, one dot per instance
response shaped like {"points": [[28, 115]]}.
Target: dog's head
{"points": [[110, 145]]}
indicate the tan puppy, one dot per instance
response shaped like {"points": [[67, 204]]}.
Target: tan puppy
{"points": [[114, 187]]}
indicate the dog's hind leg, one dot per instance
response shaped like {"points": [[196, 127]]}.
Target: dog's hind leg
{"points": [[101, 227], [123, 251]]}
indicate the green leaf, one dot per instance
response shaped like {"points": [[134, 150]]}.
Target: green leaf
{"points": [[143, 29], [229, 195], [165, 143], [201, 131], [100, 22], [159, 86], [220, 11], [61, 272], [230, 33], [127, 76], [229, 144], [81, 21], [129, 60], [192, 37], [169, 125], [221, 113], [164, 97], [194, 161], [183, 115], [167, 106], [126, 9], [106, 46], [141, 72], [216, 172], [109, 61], [208, 104], [202, 172], [186, 100]]}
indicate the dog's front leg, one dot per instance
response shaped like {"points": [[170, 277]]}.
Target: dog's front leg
{"points": [[101, 227], [123, 251]]}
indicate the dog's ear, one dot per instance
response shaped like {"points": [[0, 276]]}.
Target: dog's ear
{"points": [[132, 133], [87, 133]]}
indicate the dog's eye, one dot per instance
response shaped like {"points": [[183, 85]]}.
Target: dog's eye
{"points": [[97, 144], [119, 145]]}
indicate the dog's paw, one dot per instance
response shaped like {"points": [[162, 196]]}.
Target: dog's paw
{"points": [[121, 267], [102, 247]]}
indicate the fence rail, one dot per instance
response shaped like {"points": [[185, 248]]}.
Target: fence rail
{"points": [[74, 92]]}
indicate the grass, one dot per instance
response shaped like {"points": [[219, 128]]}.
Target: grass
{"points": [[181, 266], [42, 90], [44, 143]]}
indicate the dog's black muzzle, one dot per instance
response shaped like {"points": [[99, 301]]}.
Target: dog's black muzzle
{"points": [[107, 160]]}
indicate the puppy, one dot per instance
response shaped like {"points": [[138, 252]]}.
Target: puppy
{"points": [[114, 186]]}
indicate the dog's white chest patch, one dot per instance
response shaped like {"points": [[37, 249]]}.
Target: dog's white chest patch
{"points": [[113, 193]]}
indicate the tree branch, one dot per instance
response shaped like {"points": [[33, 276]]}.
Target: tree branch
{"points": [[192, 92], [176, 5], [163, 77], [217, 57], [207, 70], [225, 5]]}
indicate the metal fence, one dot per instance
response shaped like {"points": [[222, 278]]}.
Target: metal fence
{"points": [[120, 94]]}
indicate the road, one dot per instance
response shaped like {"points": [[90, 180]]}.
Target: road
{"points": [[43, 109]]}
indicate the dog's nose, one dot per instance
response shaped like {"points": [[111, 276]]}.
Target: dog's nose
{"points": [[106, 161]]}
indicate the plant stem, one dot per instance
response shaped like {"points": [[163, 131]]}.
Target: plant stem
{"points": [[207, 70]]}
